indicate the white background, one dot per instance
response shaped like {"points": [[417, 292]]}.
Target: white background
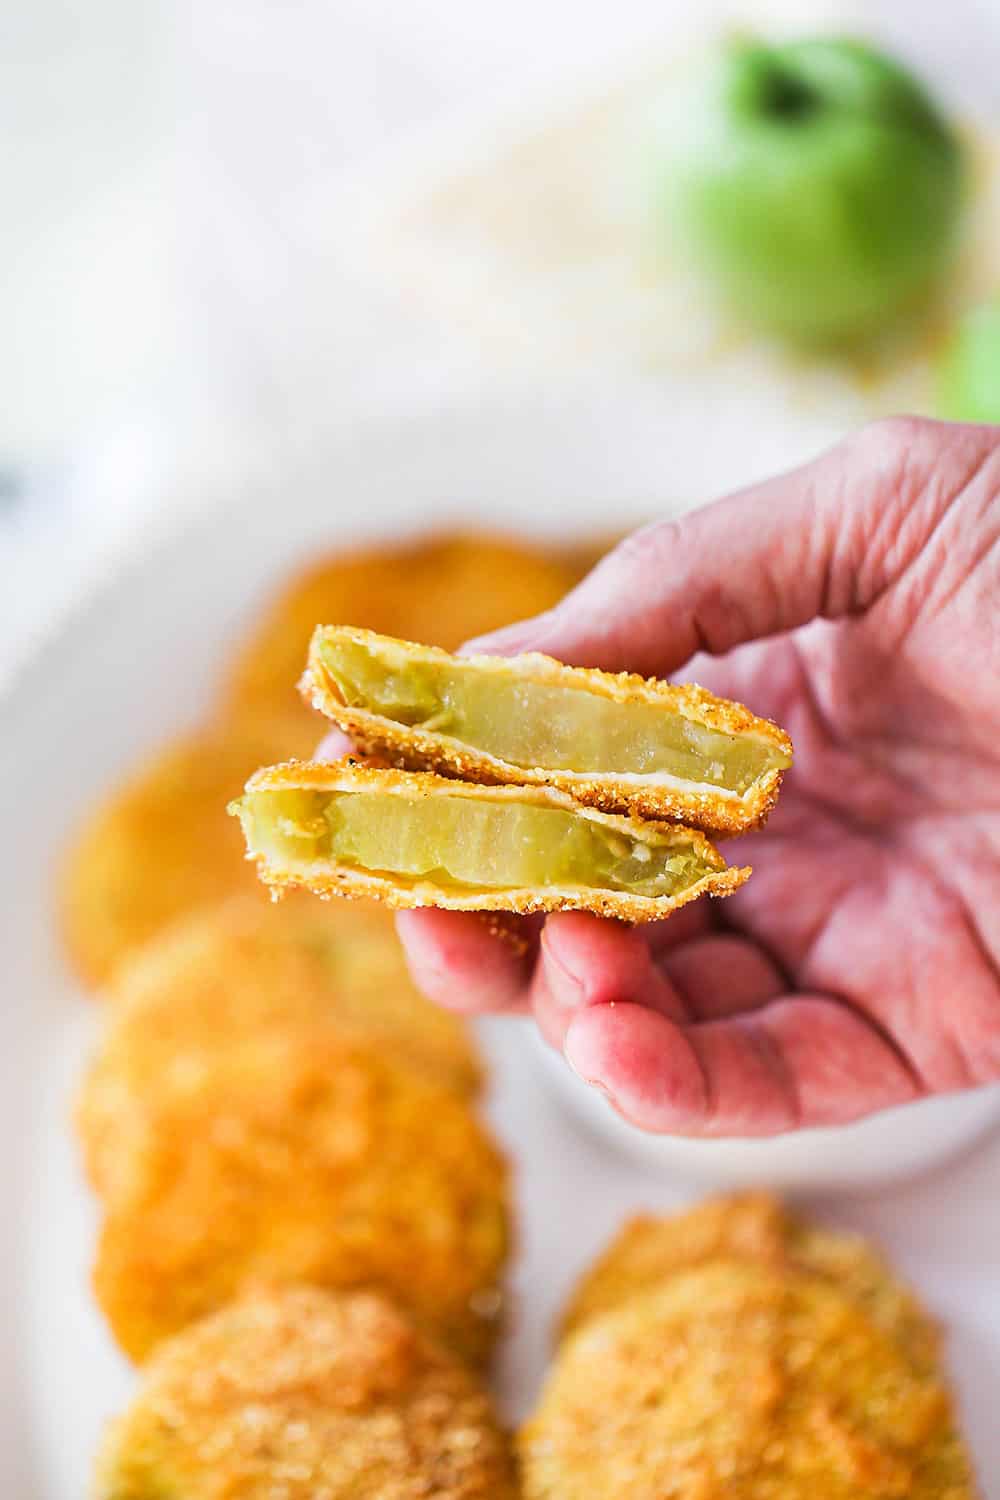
{"points": [[173, 309]]}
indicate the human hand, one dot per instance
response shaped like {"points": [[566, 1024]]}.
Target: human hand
{"points": [[855, 602]]}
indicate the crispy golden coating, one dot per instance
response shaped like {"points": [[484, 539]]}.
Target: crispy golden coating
{"points": [[741, 1382], [851, 1264], [329, 878], [307, 1160], [158, 848], [419, 749], [241, 972], [752, 1228], [305, 1395], [442, 589]]}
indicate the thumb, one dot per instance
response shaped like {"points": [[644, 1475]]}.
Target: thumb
{"points": [[826, 539]]}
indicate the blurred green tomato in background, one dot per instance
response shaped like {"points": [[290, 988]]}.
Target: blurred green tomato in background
{"points": [[815, 184], [969, 370]]}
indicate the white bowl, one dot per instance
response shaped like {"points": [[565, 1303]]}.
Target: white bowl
{"points": [[883, 1150]]}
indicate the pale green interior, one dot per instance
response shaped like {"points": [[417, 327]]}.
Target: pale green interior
{"points": [[460, 843], [533, 724]]}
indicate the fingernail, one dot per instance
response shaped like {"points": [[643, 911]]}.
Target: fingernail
{"points": [[579, 1069], [591, 1083]]}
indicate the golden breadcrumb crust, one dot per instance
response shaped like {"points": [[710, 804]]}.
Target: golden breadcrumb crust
{"points": [[752, 1227], [301, 1394], [331, 879], [241, 972], [419, 749], [157, 848], [443, 588], [742, 1381], [309, 1159]]}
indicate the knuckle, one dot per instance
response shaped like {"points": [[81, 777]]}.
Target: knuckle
{"points": [[655, 546], [887, 442]]}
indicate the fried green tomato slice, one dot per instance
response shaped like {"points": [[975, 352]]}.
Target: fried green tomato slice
{"points": [[157, 848], [237, 974], [757, 1228], [618, 742], [302, 1394], [307, 1159], [745, 1381], [442, 589], [415, 839]]}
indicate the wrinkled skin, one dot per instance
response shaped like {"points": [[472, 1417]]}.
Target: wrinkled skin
{"points": [[854, 601]]}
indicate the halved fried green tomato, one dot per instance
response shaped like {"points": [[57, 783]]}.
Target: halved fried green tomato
{"points": [[536, 716], [424, 832]]}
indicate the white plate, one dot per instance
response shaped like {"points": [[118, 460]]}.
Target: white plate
{"points": [[883, 1151], [138, 662]]}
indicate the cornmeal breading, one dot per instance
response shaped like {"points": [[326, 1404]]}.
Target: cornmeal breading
{"points": [[158, 848], [242, 972], [307, 1159], [753, 1228], [302, 1394], [741, 1382], [622, 743], [416, 839]]}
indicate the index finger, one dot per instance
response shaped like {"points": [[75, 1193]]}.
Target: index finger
{"points": [[468, 961]]}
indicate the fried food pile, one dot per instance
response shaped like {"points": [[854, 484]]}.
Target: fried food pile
{"points": [[301, 1207], [305, 1224], [737, 1351]]}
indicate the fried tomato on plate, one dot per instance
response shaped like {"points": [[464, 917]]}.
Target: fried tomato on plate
{"points": [[241, 972], [307, 1159], [301, 1394], [751, 1227], [746, 1381], [157, 848]]}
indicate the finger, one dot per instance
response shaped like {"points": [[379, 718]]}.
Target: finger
{"points": [[461, 962], [723, 975], [823, 540], [806, 865], [801, 1061], [334, 746], [693, 921], [585, 960]]}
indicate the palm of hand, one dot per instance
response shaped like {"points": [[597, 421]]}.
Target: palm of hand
{"points": [[877, 880], [858, 968]]}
